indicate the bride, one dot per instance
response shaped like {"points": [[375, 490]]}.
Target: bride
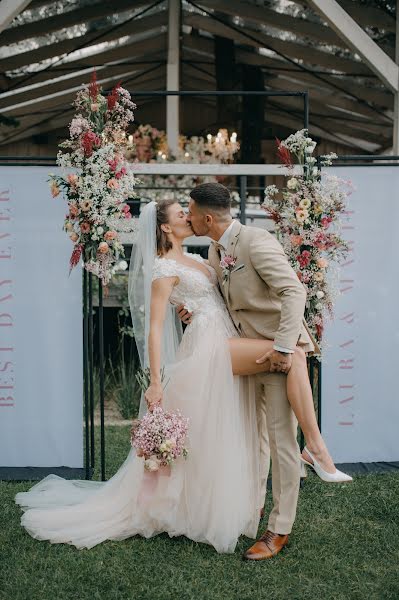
{"points": [[214, 495]]}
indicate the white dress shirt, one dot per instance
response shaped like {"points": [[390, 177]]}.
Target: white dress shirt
{"points": [[224, 243]]}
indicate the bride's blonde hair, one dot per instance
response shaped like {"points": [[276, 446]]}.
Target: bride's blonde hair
{"points": [[163, 243]]}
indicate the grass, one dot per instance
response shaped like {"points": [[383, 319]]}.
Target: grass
{"points": [[345, 545]]}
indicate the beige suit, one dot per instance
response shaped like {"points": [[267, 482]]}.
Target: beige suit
{"points": [[266, 300]]}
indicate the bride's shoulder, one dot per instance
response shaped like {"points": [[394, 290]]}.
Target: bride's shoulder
{"points": [[164, 267]]}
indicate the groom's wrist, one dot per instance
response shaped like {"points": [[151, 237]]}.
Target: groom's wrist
{"points": [[282, 350]]}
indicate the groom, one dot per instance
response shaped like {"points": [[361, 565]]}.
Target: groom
{"points": [[265, 300]]}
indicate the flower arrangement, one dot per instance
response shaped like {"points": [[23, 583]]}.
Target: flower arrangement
{"points": [[145, 142], [307, 216], [216, 149], [160, 437], [97, 190]]}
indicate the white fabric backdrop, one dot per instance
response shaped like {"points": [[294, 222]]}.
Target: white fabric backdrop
{"points": [[40, 327], [360, 397]]}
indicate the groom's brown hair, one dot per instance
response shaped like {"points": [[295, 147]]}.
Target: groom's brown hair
{"points": [[213, 196]]}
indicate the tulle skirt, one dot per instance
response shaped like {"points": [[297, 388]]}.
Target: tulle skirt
{"points": [[211, 497]]}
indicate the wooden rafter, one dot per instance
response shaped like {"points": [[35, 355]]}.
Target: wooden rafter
{"points": [[58, 49], [294, 50], [9, 9], [265, 16], [68, 19], [201, 45], [359, 41]]}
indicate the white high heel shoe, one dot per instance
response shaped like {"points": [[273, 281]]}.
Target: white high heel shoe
{"points": [[337, 477]]}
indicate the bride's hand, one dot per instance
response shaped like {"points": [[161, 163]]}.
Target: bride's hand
{"points": [[153, 396]]}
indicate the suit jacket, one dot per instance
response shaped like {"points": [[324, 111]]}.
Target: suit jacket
{"points": [[263, 293]]}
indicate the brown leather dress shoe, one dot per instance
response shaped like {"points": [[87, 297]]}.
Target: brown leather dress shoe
{"points": [[267, 546]]}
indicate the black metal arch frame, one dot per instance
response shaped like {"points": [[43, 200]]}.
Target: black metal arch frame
{"points": [[22, 473]]}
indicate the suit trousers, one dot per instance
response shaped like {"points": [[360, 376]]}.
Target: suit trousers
{"points": [[277, 427]]}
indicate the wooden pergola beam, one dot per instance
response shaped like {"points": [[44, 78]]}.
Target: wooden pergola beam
{"points": [[359, 41], [9, 9], [68, 19], [137, 51], [309, 55], [35, 124], [66, 95], [316, 129], [201, 46], [15, 61], [265, 16], [34, 96], [323, 95]]}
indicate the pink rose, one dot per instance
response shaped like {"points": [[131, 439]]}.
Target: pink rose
{"points": [[110, 235], [296, 240], [94, 107], [74, 237], [85, 227], [112, 184], [103, 247]]}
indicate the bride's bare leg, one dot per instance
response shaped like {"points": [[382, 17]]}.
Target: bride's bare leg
{"points": [[244, 353]]}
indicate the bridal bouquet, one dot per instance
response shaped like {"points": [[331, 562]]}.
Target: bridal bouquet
{"points": [[160, 438], [308, 214], [101, 182]]}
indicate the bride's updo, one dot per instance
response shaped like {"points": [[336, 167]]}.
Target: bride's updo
{"points": [[163, 243]]}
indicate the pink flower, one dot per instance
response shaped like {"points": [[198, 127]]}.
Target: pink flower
{"points": [[120, 173], [113, 164], [110, 235], [103, 247], [73, 211], [322, 263], [55, 190], [74, 237], [325, 222], [128, 215], [94, 107], [304, 258], [72, 179], [296, 240], [85, 227], [228, 262], [112, 184]]}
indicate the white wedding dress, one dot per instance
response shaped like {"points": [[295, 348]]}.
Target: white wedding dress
{"points": [[213, 495]]}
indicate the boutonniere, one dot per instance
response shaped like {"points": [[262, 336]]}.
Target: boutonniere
{"points": [[227, 264]]}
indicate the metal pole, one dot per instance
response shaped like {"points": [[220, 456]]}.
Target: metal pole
{"points": [[243, 198], [306, 110], [85, 375], [101, 361], [319, 371], [91, 370], [173, 75]]}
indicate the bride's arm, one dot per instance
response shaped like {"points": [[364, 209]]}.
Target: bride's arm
{"points": [[160, 293]]}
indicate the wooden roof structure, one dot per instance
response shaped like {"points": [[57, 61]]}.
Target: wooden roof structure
{"points": [[344, 54]]}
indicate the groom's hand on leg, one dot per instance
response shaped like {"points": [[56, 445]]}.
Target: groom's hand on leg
{"points": [[279, 362], [184, 315]]}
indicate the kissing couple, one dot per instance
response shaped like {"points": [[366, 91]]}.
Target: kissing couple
{"points": [[238, 372]]}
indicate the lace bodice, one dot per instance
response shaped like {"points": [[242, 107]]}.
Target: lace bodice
{"points": [[195, 290]]}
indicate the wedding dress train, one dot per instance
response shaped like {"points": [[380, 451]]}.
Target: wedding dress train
{"points": [[213, 495]]}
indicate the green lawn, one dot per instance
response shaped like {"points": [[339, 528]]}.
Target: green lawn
{"points": [[345, 545]]}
